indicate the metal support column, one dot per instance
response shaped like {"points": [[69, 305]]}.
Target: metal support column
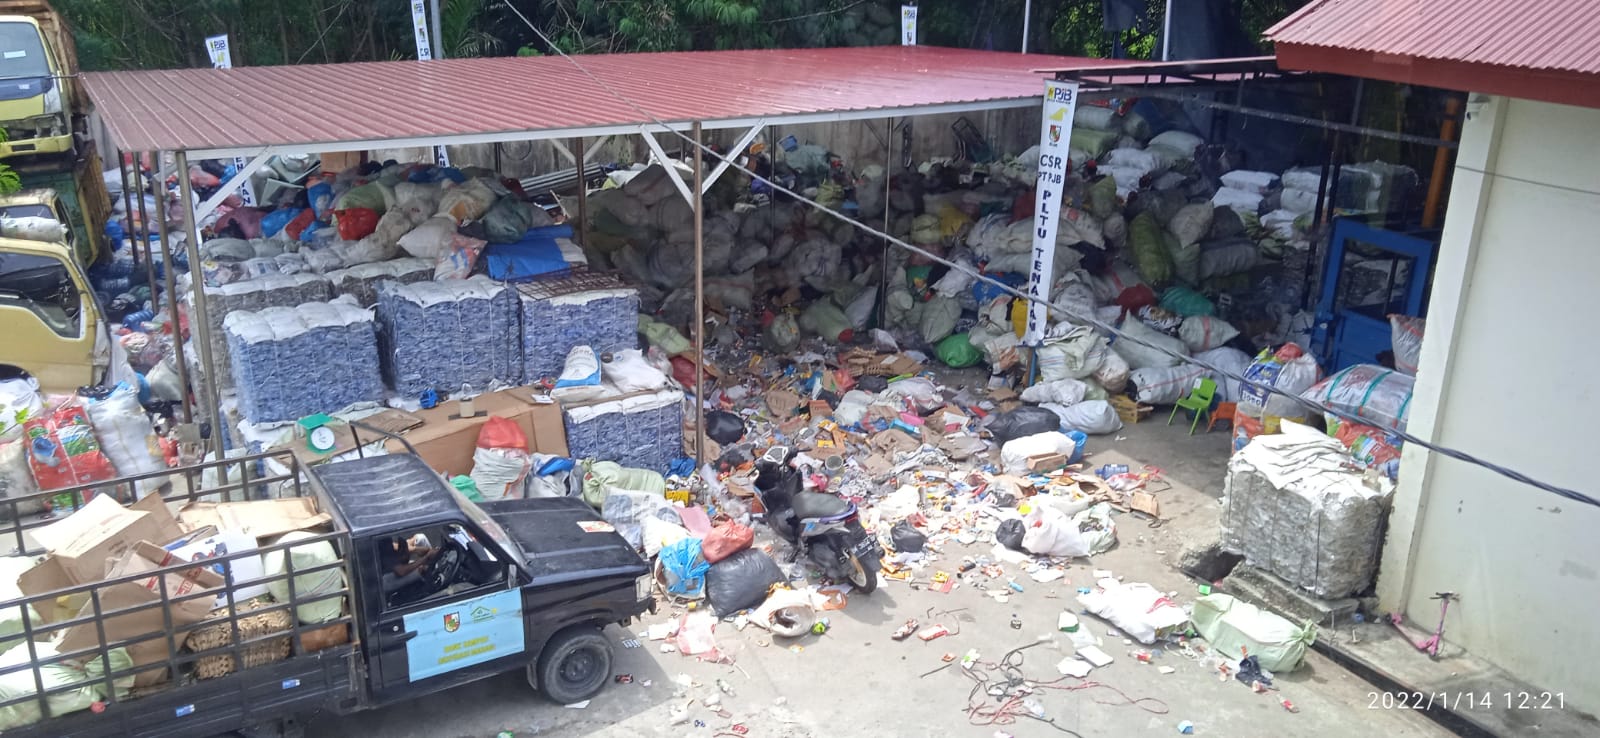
{"points": [[139, 183], [699, 305], [197, 282], [883, 263], [171, 283], [582, 231], [127, 198]]}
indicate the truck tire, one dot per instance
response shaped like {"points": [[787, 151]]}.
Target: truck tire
{"points": [[574, 666]]}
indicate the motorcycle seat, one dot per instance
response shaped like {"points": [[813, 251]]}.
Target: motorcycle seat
{"points": [[816, 505]]}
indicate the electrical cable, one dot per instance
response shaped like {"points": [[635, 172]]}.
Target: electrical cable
{"points": [[1091, 321]]}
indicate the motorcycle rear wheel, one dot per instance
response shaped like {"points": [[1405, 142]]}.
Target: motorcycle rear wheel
{"points": [[863, 572]]}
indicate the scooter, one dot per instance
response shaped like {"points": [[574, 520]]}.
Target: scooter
{"points": [[824, 527]]}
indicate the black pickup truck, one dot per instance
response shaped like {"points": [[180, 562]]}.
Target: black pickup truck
{"points": [[436, 592]]}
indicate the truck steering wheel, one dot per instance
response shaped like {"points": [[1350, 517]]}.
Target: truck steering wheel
{"points": [[442, 573]]}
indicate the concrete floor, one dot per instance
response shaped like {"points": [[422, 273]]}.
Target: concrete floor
{"points": [[855, 681]]}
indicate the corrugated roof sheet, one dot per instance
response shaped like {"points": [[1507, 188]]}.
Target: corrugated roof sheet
{"points": [[1559, 35], [288, 106]]}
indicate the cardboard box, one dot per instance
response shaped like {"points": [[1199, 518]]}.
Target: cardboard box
{"points": [[1046, 462], [84, 543], [246, 571], [446, 444], [261, 519], [146, 557]]}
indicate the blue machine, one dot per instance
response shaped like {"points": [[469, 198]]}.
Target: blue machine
{"points": [[1369, 274]]}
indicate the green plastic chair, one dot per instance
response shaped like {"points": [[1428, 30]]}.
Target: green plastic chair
{"points": [[1198, 401]]}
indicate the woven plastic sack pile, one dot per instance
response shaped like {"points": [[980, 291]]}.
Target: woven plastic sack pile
{"points": [[442, 335], [606, 320], [292, 362]]}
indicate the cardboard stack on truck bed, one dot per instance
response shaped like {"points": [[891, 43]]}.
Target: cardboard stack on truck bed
{"points": [[238, 600], [130, 600]]}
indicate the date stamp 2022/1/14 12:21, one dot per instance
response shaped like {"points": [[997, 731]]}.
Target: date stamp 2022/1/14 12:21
{"points": [[1486, 700]]}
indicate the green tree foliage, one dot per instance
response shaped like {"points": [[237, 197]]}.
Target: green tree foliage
{"points": [[119, 34]]}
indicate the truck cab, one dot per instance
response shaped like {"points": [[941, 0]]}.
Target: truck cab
{"points": [[53, 326], [56, 330], [37, 88], [514, 584]]}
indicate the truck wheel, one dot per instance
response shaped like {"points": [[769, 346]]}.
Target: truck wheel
{"points": [[574, 666]]}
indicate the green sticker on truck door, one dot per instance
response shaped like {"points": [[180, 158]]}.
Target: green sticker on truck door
{"points": [[459, 635]]}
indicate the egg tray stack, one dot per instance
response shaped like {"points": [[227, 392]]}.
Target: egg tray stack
{"points": [[587, 309], [361, 281], [442, 335], [285, 290], [312, 358]]}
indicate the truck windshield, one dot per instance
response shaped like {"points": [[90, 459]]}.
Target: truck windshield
{"points": [[24, 71], [43, 286], [488, 525], [30, 210]]}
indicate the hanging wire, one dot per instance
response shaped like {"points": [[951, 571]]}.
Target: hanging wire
{"points": [[1087, 320]]}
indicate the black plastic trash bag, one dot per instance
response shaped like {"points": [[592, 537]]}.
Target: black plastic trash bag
{"points": [[1009, 534], [1023, 421], [741, 581], [724, 427], [906, 538]]}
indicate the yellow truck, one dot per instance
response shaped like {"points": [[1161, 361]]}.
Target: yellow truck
{"points": [[51, 326], [41, 103]]}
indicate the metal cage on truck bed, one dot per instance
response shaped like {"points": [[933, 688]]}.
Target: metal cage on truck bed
{"points": [[179, 703]]}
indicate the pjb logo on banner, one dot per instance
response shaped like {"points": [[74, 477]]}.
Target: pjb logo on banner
{"points": [[908, 25], [217, 49]]}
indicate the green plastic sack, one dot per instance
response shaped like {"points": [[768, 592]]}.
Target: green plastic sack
{"points": [[828, 321], [1185, 259], [957, 352], [508, 220], [1094, 142], [371, 196], [62, 674], [1147, 242], [600, 476], [323, 581], [467, 487], [1101, 198], [1186, 302], [663, 336], [1229, 625]]}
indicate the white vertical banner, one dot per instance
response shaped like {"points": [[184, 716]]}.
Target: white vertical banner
{"points": [[908, 25], [222, 58], [1055, 137], [217, 49], [419, 25]]}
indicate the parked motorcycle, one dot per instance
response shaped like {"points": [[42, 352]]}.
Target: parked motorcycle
{"points": [[824, 527]]}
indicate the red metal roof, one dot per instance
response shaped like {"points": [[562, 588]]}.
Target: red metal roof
{"points": [[247, 109], [1537, 49]]}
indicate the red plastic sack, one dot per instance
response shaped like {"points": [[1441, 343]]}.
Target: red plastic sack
{"points": [[356, 223], [502, 433], [62, 449], [1136, 297], [299, 223], [726, 540]]}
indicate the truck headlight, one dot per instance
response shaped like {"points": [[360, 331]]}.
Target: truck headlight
{"points": [[642, 587]]}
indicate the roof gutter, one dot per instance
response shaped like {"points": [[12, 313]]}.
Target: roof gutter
{"points": [[1546, 85]]}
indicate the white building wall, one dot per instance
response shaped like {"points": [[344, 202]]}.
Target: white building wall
{"points": [[1508, 371]]}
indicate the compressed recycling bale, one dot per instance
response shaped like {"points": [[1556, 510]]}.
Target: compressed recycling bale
{"points": [[605, 320], [288, 363], [442, 335]]}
